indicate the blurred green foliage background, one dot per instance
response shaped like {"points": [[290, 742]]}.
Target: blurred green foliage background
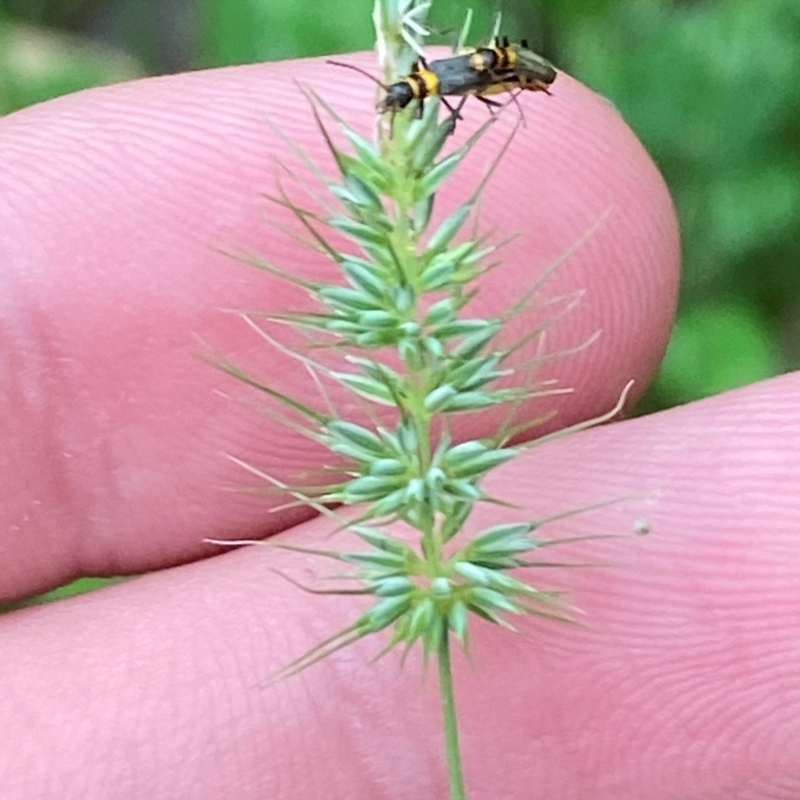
{"points": [[710, 86]]}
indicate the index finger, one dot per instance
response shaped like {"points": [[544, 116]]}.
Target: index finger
{"points": [[116, 204]]}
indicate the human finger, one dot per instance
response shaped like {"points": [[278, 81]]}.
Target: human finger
{"points": [[116, 205], [679, 681]]}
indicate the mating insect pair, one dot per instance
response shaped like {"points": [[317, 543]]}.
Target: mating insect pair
{"points": [[483, 71], [504, 67]]}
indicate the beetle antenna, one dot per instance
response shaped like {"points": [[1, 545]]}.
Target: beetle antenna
{"points": [[358, 70]]}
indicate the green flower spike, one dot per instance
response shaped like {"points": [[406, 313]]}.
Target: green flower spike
{"points": [[408, 349]]}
